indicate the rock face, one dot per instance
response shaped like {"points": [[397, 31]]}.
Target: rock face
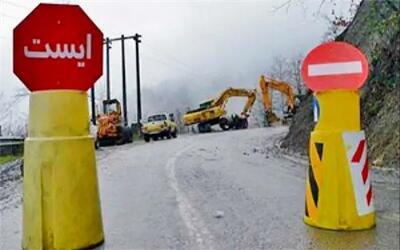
{"points": [[376, 31], [299, 131]]}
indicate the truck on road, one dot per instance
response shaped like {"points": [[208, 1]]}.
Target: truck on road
{"points": [[160, 126]]}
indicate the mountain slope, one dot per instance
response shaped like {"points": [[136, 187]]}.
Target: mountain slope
{"points": [[376, 31]]}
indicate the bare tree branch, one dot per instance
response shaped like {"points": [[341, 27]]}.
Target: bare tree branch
{"points": [[320, 6], [284, 5]]}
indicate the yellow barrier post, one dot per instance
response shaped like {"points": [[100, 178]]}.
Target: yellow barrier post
{"points": [[58, 55], [61, 197], [338, 184]]}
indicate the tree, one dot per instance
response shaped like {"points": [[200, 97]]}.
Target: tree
{"points": [[258, 117], [279, 70], [289, 71], [294, 69], [338, 19], [13, 123]]}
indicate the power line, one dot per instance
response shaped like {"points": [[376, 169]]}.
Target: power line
{"points": [[168, 55], [163, 62], [175, 60], [8, 16], [15, 4], [179, 65], [182, 65]]}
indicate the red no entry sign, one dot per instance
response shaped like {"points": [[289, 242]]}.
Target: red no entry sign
{"points": [[58, 47], [334, 65]]}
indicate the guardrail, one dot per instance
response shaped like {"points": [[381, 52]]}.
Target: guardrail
{"points": [[11, 146]]}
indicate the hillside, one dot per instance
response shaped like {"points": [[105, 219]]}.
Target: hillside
{"points": [[376, 31]]}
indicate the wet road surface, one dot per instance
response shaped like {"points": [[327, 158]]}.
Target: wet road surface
{"points": [[227, 190]]}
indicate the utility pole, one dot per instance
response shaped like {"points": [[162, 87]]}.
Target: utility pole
{"points": [[139, 101], [124, 81], [92, 97], [124, 101], [108, 47], [108, 41]]}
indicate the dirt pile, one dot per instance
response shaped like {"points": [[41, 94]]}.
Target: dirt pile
{"points": [[376, 31]]}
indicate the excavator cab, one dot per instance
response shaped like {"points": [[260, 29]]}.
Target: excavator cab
{"points": [[111, 106], [206, 104]]}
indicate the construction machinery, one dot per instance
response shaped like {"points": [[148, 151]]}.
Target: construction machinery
{"points": [[160, 126], [213, 111], [110, 129], [284, 88]]}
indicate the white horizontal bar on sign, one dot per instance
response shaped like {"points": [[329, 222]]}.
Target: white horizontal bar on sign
{"points": [[340, 68]]}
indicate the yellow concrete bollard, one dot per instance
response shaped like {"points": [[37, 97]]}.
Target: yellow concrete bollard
{"points": [[61, 199], [338, 185]]}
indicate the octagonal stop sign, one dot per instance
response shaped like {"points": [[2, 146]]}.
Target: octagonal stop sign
{"points": [[58, 47]]}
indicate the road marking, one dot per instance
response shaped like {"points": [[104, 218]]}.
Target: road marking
{"points": [[341, 68], [195, 225]]}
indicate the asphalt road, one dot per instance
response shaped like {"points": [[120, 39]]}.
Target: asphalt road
{"points": [[224, 190]]}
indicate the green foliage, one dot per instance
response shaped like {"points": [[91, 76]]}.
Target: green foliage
{"points": [[136, 136], [8, 158], [373, 109], [383, 21]]}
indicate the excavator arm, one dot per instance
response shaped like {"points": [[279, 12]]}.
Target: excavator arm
{"points": [[265, 94], [239, 92], [213, 112], [283, 87]]}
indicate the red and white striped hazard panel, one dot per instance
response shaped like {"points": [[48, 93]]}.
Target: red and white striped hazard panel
{"points": [[356, 150]]}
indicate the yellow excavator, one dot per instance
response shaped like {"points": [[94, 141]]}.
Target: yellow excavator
{"points": [[283, 87], [110, 129], [213, 111]]}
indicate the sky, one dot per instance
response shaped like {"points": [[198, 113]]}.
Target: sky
{"points": [[190, 50]]}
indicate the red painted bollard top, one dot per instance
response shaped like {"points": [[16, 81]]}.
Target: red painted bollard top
{"points": [[333, 66], [58, 47]]}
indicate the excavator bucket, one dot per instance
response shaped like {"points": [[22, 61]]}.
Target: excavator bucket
{"points": [[272, 118]]}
